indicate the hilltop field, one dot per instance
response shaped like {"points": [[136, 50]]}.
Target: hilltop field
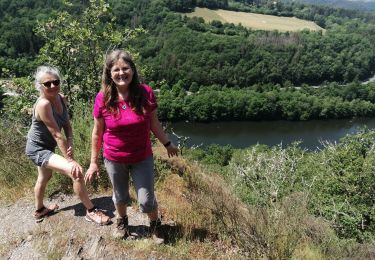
{"points": [[256, 21]]}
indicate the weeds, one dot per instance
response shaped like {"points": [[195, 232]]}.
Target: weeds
{"points": [[16, 172]]}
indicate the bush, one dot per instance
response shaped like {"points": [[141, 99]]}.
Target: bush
{"points": [[344, 191], [18, 108], [338, 181], [213, 154], [266, 175]]}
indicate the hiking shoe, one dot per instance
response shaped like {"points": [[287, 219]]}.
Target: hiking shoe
{"points": [[157, 232], [97, 216], [40, 214], [122, 229]]}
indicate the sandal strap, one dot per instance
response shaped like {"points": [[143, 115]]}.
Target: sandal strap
{"points": [[45, 211], [40, 210]]}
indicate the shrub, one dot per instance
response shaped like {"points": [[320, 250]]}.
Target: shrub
{"points": [[213, 154], [265, 175], [344, 192], [338, 181], [18, 108]]}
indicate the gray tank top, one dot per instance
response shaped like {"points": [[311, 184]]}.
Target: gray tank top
{"points": [[39, 133]]}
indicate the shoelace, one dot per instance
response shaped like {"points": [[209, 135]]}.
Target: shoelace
{"points": [[99, 212]]}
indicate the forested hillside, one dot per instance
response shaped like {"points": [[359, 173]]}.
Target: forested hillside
{"points": [[183, 56], [180, 48], [19, 44], [363, 5]]}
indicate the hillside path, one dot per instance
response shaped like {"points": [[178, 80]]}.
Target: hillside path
{"points": [[65, 234]]}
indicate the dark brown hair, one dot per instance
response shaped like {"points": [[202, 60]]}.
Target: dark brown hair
{"points": [[136, 96]]}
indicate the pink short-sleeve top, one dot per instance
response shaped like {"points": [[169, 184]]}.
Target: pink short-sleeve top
{"points": [[126, 137]]}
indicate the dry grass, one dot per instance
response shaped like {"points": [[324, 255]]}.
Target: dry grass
{"points": [[206, 208], [7, 248], [256, 21], [202, 201], [17, 174]]}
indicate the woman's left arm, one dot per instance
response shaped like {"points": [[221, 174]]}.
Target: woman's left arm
{"points": [[68, 131], [158, 131]]}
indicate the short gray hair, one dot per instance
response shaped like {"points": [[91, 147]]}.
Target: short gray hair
{"points": [[41, 71]]}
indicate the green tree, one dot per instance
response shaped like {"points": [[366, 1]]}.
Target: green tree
{"points": [[77, 46]]}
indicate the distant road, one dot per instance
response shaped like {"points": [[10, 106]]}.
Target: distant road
{"points": [[5, 83], [369, 80]]}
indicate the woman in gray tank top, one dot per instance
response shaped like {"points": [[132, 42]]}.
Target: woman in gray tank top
{"points": [[50, 116]]}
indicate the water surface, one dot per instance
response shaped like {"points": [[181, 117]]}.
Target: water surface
{"points": [[244, 134]]}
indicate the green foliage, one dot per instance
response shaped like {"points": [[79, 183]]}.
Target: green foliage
{"points": [[212, 154], [82, 124], [78, 45], [188, 49], [188, 54], [266, 175], [16, 171], [337, 182], [216, 104], [345, 190], [18, 42], [161, 171], [180, 5], [18, 108]]}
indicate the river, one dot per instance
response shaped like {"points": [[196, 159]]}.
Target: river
{"points": [[245, 134]]}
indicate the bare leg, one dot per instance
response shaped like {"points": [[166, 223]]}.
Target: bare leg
{"points": [[44, 175], [60, 164]]}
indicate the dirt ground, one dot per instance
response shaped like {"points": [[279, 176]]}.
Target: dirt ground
{"points": [[65, 234]]}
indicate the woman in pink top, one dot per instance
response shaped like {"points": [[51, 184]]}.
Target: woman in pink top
{"points": [[124, 116]]}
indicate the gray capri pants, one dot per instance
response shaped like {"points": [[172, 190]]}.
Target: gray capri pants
{"points": [[142, 174]]}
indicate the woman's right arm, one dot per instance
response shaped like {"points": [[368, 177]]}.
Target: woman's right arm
{"points": [[45, 113], [96, 144]]}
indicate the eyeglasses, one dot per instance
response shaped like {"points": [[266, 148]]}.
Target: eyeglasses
{"points": [[55, 82], [118, 70]]}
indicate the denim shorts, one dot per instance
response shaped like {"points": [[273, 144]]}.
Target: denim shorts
{"points": [[142, 174], [37, 154]]}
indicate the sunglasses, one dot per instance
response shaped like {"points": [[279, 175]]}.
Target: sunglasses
{"points": [[47, 84]]}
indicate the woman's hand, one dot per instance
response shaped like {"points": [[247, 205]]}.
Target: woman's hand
{"points": [[70, 151], [172, 150], [91, 172], [76, 170]]}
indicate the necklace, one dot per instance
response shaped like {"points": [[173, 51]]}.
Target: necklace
{"points": [[121, 96]]}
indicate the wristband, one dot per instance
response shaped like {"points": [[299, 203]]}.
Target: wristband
{"points": [[167, 144]]}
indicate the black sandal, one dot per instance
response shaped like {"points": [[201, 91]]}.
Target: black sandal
{"points": [[39, 215]]}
